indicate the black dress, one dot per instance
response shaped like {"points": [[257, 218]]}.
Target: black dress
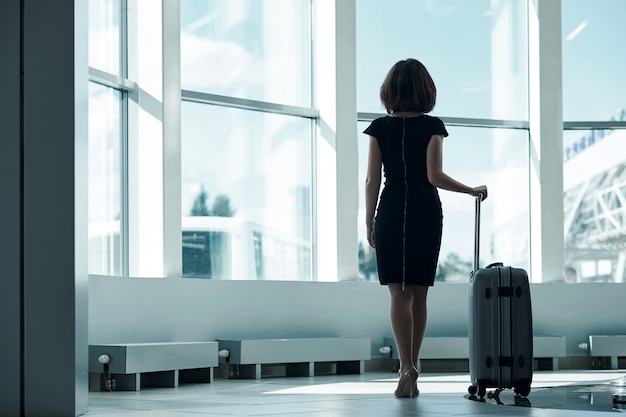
{"points": [[408, 225]]}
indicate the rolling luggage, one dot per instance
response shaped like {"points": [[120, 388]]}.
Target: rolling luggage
{"points": [[500, 326]]}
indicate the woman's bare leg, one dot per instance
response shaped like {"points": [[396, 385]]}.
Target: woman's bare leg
{"points": [[402, 325], [419, 315]]}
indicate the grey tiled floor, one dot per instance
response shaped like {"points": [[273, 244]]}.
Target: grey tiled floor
{"points": [[554, 394]]}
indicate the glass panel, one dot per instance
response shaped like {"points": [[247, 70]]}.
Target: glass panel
{"points": [[105, 168], [594, 87], [105, 35], [476, 52], [594, 192], [252, 49], [474, 156], [207, 253], [246, 194]]}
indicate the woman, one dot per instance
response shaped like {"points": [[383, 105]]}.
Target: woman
{"points": [[406, 231]]}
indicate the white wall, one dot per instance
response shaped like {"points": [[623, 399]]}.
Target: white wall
{"points": [[168, 309]]}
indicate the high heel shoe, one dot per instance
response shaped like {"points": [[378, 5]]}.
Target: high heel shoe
{"points": [[414, 391], [407, 384]]}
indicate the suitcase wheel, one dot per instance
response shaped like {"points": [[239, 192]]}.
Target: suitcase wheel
{"points": [[522, 388], [480, 389]]}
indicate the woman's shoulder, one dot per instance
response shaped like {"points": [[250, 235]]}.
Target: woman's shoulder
{"points": [[437, 125], [375, 126], [379, 122], [432, 118]]}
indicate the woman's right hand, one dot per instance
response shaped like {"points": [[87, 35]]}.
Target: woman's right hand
{"points": [[481, 189]]}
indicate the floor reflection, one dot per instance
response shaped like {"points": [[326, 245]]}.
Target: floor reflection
{"points": [[597, 397]]}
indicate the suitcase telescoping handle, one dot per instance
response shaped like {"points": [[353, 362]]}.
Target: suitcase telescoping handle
{"points": [[479, 198]]}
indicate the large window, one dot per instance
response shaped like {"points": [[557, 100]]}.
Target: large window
{"points": [[248, 131], [246, 194]]}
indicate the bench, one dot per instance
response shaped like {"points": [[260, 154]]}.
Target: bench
{"points": [[550, 347], [131, 366], [544, 347], [299, 355], [611, 346]]}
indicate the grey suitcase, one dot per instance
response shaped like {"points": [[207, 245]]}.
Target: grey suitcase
{"points": [[500, 326]]}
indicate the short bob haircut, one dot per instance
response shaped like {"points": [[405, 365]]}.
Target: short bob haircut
{"points": [[408, 87]]}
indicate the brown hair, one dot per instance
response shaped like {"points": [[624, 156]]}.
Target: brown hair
{"points": [[408, 87]]}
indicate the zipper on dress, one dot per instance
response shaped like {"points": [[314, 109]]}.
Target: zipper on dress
{"points": [[406, 197]]}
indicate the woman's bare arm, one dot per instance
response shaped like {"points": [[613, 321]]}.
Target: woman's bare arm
{"points": [[372, 186], [438, 178]]}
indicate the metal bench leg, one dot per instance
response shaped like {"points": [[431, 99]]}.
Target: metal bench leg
{"points": [[126, 382], [300, 369], [168, 379], [195, 375], [350, 367], [250, 371]]}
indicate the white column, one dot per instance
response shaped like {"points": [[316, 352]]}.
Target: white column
{"points": [[347, 148], [337, 157], [172, 234], [145, 139], [546, 140]]}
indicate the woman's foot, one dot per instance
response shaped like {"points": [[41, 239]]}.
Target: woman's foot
{"points": [[407, 383]]}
